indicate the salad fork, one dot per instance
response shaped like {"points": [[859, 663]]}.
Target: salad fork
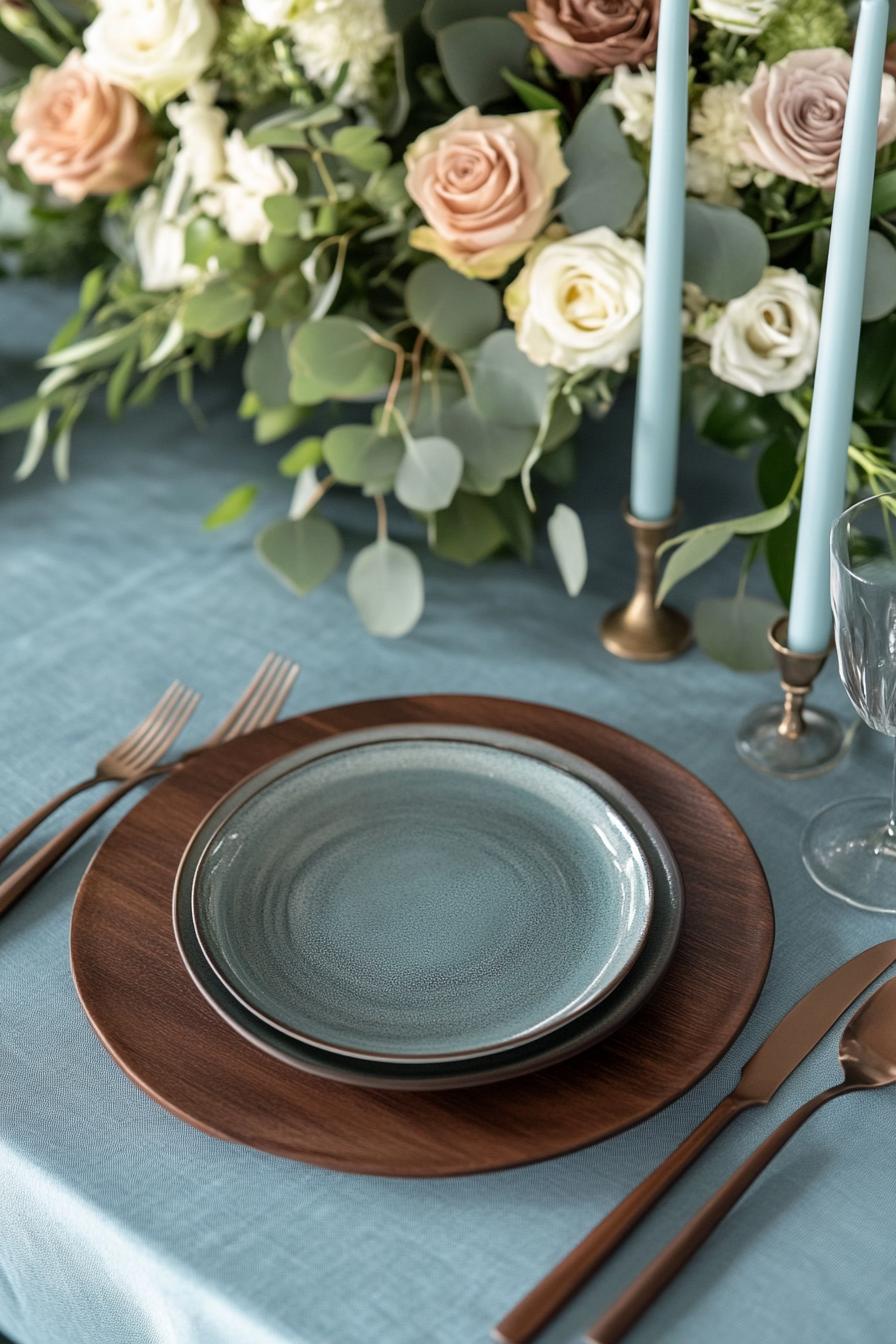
{"points": [[257, 707], [143, 747]]}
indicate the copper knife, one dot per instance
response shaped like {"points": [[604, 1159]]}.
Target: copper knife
{"points": [[798, 1032]]}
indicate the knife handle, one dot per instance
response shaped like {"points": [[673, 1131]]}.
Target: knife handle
{"points": [[530, 1315]]}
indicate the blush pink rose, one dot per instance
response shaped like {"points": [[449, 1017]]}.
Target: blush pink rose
{"points": [[794, 112], [80, 135], [585, 37], [486, 186]]}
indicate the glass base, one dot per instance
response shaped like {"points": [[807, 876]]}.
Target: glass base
{"points": [[848, 851], [816, 750]]}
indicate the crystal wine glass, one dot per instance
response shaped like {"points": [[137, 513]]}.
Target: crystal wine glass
{"points": [[849, 848]]}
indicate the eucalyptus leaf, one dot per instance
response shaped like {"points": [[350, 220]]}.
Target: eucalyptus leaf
{"points": [[19, 414], [283, 212], [429, 474], [567, 540], [492, 453], [780, 555], [469, 530], [533, 96], [438, 14], [266, 368], [877, 364], [119, 382], [605, 184], [357, 454], [725, 252], [338, 354], [474, 51], [879, 298], [734, 631], [222, 305], [232, 507], [454, 312], [271, 424], [302, 455], [385, 582], [883, 197], [691, 554], [507, 388], [516, 518], [302, 552]]}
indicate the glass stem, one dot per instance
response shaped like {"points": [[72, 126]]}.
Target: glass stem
{"points": [[891, 824]]}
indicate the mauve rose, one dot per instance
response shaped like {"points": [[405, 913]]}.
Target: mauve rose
{"points": [[80, 135], [584, 37], [794, 112], [486, 186]]}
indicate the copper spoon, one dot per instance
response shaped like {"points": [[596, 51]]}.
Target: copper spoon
{"points": [[868, 1057]]}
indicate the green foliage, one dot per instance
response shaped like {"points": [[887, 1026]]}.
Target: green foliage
{"points": [[800, 24], [725, 252], [385, 582], [232, 507], [453, 312], [341, 356], [302, 552], [605, 184], [734, 631], [880, 278]]}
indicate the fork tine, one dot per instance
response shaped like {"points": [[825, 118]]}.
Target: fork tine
{"points": [[158, 739], [223, 730], [267, 707], [135, 738], [248, 708]]}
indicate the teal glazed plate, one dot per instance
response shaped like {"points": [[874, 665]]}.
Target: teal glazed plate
{"points": [[420, 899]]}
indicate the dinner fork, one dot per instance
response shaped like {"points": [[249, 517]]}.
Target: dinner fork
{"points": [[257, 707], [143, 747]]}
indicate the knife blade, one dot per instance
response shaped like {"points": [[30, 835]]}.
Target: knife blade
{"points": [[782, 1051]]}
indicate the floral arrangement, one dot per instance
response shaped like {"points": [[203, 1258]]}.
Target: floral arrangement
{"points": [[424, 222]]}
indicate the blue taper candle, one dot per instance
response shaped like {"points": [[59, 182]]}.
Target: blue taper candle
{"points": [[655, 442], [809, 625]]}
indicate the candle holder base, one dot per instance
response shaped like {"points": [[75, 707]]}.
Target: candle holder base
{"points": [[639, 630], [792, 740]]}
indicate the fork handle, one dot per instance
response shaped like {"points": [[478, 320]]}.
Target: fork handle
{"points": [[14, 838], [532, 1313], [24, 877], [628, 1308]]}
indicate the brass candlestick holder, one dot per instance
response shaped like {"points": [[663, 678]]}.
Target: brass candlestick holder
{"points": [[792, 740], [640, 630]]}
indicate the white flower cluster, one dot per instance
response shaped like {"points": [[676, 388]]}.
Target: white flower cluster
{"points": [[331, 34], [633, 94], [716, 163]]}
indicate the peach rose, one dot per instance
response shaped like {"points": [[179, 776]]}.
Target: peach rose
{"points": [[486, 186], [80, 135], [794, 112], [584, 37]]}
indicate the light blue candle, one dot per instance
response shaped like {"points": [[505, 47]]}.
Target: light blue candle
{"points": [[809, 626], [655, 442]]}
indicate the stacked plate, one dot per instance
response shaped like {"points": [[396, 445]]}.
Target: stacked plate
{"points": [[427, 907]]}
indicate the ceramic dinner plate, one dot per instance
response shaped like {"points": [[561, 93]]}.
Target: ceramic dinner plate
{"points": [[576, 1035], [420, 900]]}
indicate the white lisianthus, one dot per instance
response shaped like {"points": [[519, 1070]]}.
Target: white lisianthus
{"points": [[274, 13], [577, 302], [252, 175], [633, 93], [155, 48], [160, 243], [201, 129], [716, 164], [766, 340], [737, 16], [332, 33]]}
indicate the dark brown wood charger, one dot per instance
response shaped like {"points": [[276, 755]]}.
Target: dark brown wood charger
{"points": [[152, 1019]]}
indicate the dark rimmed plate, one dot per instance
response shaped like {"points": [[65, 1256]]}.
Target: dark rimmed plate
{"points": [[560, 1043]]}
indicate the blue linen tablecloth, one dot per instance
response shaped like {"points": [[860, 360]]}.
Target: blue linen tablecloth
{"points": [[121, 1225]]}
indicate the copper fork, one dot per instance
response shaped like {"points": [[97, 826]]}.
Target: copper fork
{"points": [[143, 747], [257, 707]]}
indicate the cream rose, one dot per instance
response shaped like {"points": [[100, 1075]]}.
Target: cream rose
{"points": [[486, 186], [80, 135], [794, 113], [155, 48], [738, 16], [253, 174], [577, 302], [766, 340]]}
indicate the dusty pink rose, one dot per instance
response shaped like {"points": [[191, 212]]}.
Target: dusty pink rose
{"points": [[80, 135], [584, 37], [794, 111], [486, 186]]}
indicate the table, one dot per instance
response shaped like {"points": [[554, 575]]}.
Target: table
{"points": [[119, 1224]]}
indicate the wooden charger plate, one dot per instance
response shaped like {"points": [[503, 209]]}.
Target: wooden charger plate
{"points": [[152, 1019]]}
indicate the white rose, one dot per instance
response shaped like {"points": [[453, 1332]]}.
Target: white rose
{"points": [[767, 340], [633, 93], [274, 13], [252, 176], [201, 127], [332, 33], [155, 48], [737, 16], [576, 303], [160, 244]]}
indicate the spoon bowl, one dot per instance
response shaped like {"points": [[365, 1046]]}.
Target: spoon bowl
{"points": [[868, 1043]]}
